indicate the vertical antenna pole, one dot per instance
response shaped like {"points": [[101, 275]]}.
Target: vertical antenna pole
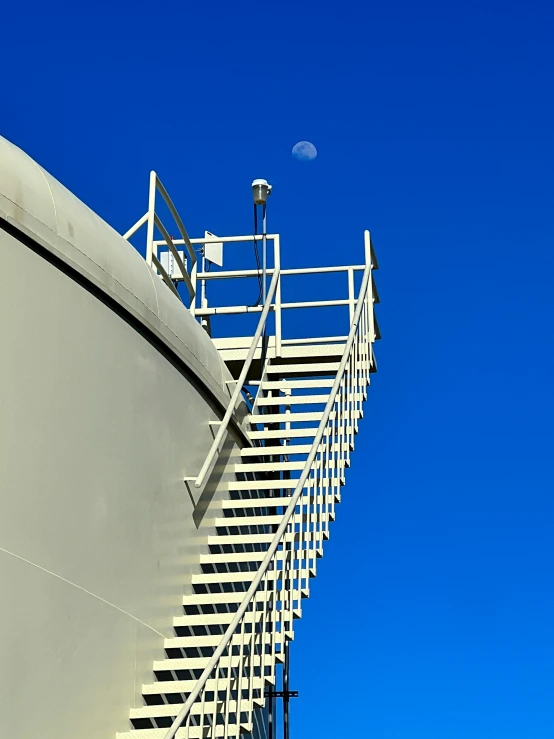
{"points": [[261, 190], [264, 253], [264, 280]]}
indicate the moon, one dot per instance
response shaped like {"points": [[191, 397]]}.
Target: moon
{"points": [[304, 151]]}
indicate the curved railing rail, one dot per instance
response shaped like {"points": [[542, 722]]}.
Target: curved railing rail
{"points": [[152, 219], [246, 655], [199, 481]]}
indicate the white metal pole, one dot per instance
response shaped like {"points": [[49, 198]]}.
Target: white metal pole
{"points": [[277, 266], [193, 273], [150, 221], [203, 301], [351, 303]]}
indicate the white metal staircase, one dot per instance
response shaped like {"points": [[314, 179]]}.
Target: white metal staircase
{"points": [[232, 632]]}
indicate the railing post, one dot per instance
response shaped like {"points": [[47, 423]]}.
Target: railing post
{"points": [[193, 281], [277, 266], [151, 217], [350, 294], [367, 245]]}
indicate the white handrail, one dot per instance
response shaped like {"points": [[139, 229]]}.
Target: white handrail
{"points": [[177, 218], [251, 592], [198, 482], [151, 219]]}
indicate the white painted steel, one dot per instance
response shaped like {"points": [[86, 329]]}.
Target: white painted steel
{"points": [[287, 434], [290, 450], [238, 309], [244, 273], [205, 311], [152, 220], [321, 368], [296, 400], [305, 522]]}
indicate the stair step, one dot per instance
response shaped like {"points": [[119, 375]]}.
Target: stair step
{"points": [[208, 599], [293, 400], [296, 384], [291, 417], [222, 577], [172, 709], [217, 619], [291, 449], [275, 450], [164, 687], [209, 619], [275, 484], [310, 518], [279, 467], [268, 466], [199, 663], [267, 418], [248, 538], [289, 400], [294, 433], [193, 732], [270, 503], [209, 640], [252, 520], [321, 351], [256, 503], [303, 370], [269, 520], [284, 433], [231, 557], [257, 485], [158, 734]]}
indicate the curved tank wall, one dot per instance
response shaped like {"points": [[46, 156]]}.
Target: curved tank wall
{"points": [[37, 205], [98, 533]]}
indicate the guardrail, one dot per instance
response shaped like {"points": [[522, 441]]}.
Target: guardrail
{"points": [[152, 220], [263, 621], [203, 311]]}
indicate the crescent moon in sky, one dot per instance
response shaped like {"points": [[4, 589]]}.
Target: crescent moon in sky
{"points": [[304, 151]]}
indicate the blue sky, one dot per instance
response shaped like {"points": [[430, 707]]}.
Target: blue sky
{"points": [[433, 614]]}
